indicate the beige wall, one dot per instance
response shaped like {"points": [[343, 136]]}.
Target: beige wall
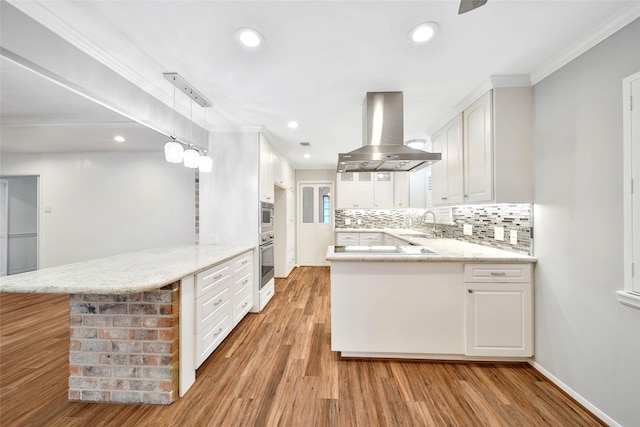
{"points": [[315, 175]]}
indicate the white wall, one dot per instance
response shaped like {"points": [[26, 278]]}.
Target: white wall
{"points": [[229, 198], [107, 203], [584, 337], [315, 175]]}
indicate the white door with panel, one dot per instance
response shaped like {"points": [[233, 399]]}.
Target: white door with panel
{"points": [[4, 225], [315, 222]]}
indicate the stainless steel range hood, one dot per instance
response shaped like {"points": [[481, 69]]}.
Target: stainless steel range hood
{"points": [[383, 146]]}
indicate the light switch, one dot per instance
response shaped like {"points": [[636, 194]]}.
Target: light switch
{"points": [[347, 221], [498, 233], [513, 237], [467, 229], [47, 209]]}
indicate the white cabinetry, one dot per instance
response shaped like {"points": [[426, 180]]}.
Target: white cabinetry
{"points": [[267, 156], [486, 151], [401, 189], [499, 310], [383, 187], [284, 175], [285, 231], [355, 190], [223, 296], [362, 239], [478, 151], [447, 173]]}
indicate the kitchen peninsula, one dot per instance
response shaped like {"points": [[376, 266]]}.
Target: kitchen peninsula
{"points": [[431, 299], [142, 322]]}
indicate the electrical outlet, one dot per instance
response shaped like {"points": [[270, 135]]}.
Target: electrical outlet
{"points": [[467, 229], [513, 237], [47, 209], [213, 239], [498, 233], [347, 221]]}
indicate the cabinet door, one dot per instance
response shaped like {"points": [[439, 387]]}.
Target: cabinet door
{"points": [[346, 198], [448, 172], [383, 190], [364, 190], [478, 151], [499, 319], [266, 171]]}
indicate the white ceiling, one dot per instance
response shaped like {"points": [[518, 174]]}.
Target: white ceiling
{"points": [[321, 57]]}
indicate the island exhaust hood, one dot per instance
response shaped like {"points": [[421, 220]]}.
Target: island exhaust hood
{"points": [[383, 147]]}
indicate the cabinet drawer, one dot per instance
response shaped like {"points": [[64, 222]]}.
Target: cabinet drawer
{"points": [[212, 277], [345, 239], [242, 307], [242, 263], [370, 239], [209, 305], [519, 273], [241, 284], [208, 339]]}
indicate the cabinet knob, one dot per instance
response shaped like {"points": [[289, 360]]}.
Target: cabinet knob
{"points": [[470, 291]]}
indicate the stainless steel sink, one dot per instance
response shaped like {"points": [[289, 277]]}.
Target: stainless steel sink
{"points": [[416, 250]]}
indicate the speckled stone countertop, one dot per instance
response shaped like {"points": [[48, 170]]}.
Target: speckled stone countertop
{"points": [[443, 250], [122, 274]]}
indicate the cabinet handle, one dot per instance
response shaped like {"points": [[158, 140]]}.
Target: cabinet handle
{"points": [[470, 291], [245, 281], [245, 261], [218, 332], [217, 302], [444, 198], [494, 273], [245, 304], [217, 277]]}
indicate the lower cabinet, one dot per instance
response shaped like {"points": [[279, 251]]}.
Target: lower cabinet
{"points": [[223, 296], [362, 239], [499, 310]]}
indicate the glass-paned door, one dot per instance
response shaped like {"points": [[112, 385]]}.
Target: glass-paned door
{"points": [[316, 226]]}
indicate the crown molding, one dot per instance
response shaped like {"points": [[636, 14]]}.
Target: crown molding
{"points": [[608, 28]]}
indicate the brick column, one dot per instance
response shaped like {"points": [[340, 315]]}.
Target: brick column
{"points": [[125, 348]]}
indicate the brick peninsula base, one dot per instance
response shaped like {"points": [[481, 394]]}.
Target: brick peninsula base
{"points": [[125, 348]]}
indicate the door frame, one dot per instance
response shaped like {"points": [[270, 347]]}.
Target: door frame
{"points": [[332, 190]]}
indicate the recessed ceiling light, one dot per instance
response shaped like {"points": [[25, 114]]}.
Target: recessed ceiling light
{"points": [[307, 156], [248, 37], [422, 33], [293, 125], [119, 138]]}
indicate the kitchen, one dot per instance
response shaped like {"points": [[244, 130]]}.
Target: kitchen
{"points": [[575, 192]]}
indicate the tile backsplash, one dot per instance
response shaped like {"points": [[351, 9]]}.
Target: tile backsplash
{"points": [[483, 219]]}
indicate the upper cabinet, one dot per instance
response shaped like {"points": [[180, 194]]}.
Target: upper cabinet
{"points": [[274, 169], [284, 174], [267, 157], [365, 190], [355, 190], [486, 151], [447, 173]]}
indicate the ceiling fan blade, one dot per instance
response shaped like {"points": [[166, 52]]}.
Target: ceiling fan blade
{"points": [[468, 5]]}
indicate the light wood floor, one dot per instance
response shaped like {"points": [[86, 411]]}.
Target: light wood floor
{"points": [[276, 368]]}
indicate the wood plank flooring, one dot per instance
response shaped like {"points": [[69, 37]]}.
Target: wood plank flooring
{"points": [[275, 369]]}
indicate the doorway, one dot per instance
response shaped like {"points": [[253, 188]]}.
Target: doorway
{"points": [[315, 222], [18, 224]]}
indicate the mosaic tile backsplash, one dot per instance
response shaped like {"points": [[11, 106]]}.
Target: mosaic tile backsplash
{"points": [[483, 218]]}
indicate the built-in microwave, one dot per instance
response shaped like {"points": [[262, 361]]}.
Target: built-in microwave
{"points": [[266, 217]]}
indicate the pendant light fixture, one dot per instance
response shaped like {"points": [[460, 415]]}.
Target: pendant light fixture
{"points": [[191, 156], [173, 150]]}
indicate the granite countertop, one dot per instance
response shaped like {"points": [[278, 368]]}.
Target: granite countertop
{"points": [[124, 273], [443, 250]]}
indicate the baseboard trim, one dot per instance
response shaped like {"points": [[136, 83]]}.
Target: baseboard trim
{"points": [[573, 394]]}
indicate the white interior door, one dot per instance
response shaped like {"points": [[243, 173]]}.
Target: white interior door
{"points": [[4, 224], [315, 222]]}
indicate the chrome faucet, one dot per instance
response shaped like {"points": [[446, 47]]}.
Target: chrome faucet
{"points": [[423, 220]]}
